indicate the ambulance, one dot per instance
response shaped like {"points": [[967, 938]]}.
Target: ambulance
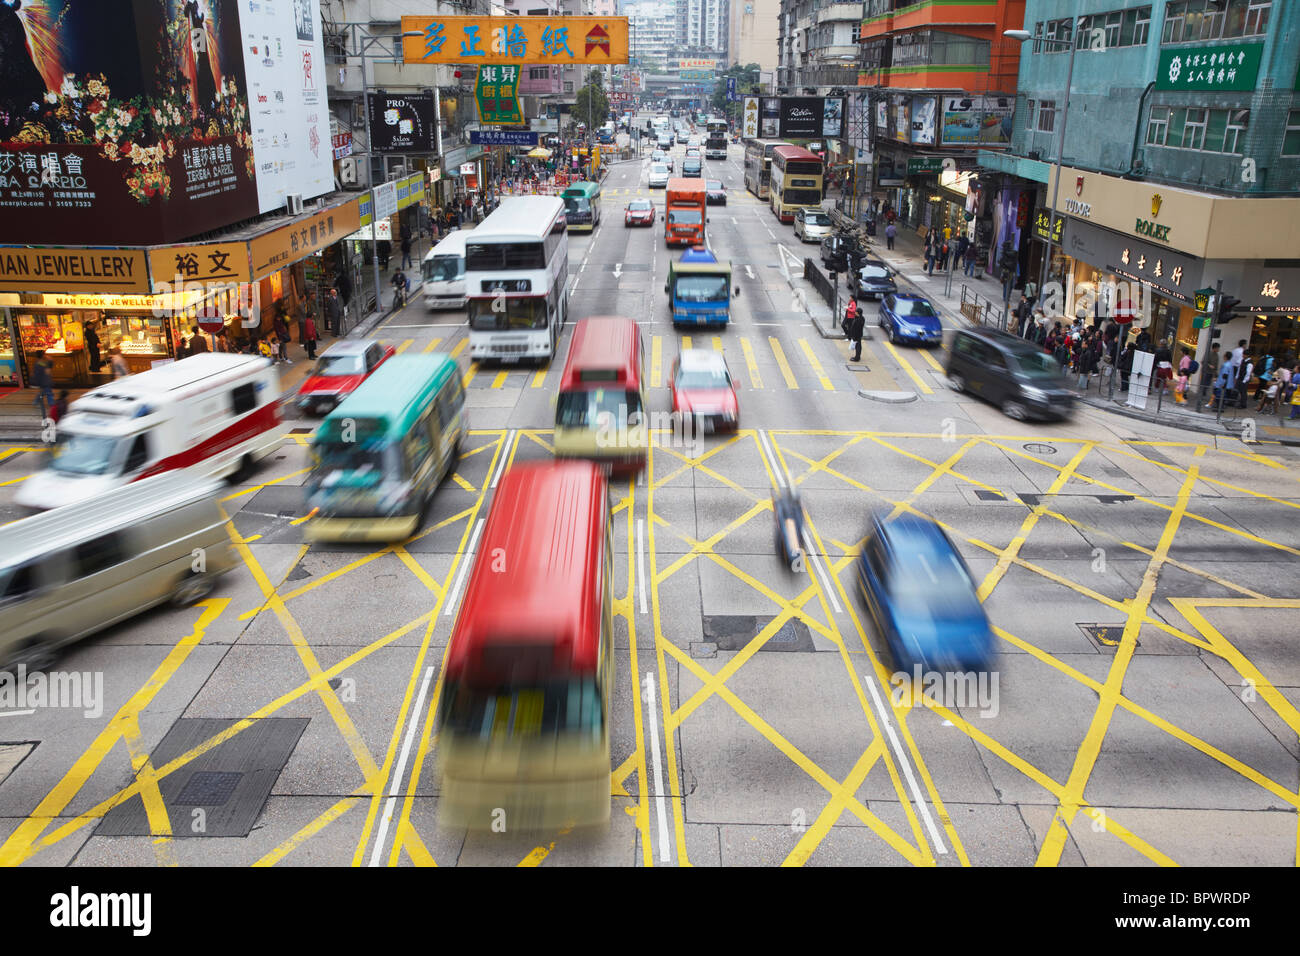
{"points": [[216, 412]]}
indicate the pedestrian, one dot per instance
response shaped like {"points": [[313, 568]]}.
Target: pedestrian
{"points": [[92, 347], [1223, 384], [1244, 375], [1268, 401], [310, 340], [43, 381], [972, 254], [333, 313], [400, 287], [931, 250], [264, 349], [59, 407], [1265, 374], [890, 232], [281, 337], [1211, 370], [1031, 290], [1239, 352], [853, 328], [197, 342], [384, 249], [223, 340], [1185, 371], [118, 363], [406, 248]]}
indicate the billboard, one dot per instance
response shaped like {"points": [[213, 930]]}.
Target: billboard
{"points": [[977, 119], [143, 121], [402, 122], [502, 40], [797, 117], [923, 108]]}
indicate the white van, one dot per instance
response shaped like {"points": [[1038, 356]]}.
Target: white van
{"points": [[218, 412], [70, 572], [443, 269]]}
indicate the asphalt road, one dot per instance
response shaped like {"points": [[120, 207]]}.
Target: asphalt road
{"points": [[1143, 708]]}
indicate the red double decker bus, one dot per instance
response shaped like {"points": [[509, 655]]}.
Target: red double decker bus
{"points": [[525, 709]]}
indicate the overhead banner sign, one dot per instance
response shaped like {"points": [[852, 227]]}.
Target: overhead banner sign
{"points": [[977, 119], [402, 123], [497, 93], [296, 240], [502, 137], [749, 124], [1219, 66], [73, 270], [502, 40], [810, 117], [213, 262]]}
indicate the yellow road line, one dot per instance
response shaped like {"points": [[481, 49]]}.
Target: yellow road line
{"points": [[817, 366], [782, 363], [929, 357], [310, 830], [755, 380], [459, 347], [686, 342], [406, 344], [717, 343], [539, 377], [433, 344], [469, 376], [500, 378], [903, 364], [656, 361]]}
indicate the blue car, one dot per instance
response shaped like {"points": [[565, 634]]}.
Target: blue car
{"points": [[908, 317], [921, 595]]}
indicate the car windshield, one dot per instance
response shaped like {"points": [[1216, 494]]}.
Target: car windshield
{"points": [[914, 308], [702, 378], [353, 463], [576, 204], [340, 365], [684, 217], [923, 584], [659, 170], [701, 288], [443, 268], [817, 218], [489, 315], [83, 454], [874, 272], [640, 205], [597, 407], [715, 185], [1037, 365]]}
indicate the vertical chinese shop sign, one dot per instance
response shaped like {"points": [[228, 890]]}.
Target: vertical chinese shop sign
{"points": [[497, 92]]}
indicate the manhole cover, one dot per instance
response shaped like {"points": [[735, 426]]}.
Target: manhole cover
{"points": [[732, 632], [983, 494], [1105, 636], [1038, 448], [209, 788]]}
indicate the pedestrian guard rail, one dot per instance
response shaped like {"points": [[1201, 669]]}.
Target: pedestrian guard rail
{"points": [[822, 284], [982, 310]]}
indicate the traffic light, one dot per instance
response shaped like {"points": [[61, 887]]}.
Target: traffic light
{"points": [[1227, 308], [1007, 256]]}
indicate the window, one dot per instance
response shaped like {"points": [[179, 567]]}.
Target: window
{"points": [[1142, 25], [1256, 18], [21, 583], [99, 553], [1205, 130], [1114, 21], [1189, 21], [138, 455], [1194, 129], [1236, 131], [1291, 138], [1038, 37], [1029, 114], [243, 399], [1158, 126], [539, 72], [1046, 115]]}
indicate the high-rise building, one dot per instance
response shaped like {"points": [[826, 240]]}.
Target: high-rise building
{"points": [[754, 34]]}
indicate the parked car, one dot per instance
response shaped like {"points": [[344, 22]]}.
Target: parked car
{"points": [[908, 317], [1013, 374], [693, 167], [811, 225], [639, 212], [702, 389], [340, 369], [922, 597], [873, 280], [659, 174], [715, 192]]}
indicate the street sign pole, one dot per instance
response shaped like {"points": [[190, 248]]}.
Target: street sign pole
{"points": [[1214, 319], [374, 210]]}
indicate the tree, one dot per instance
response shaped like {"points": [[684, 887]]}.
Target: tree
{"points": [[746, 84], [590, 106]]}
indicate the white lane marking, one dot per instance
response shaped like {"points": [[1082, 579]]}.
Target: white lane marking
{"points": [[921, 805], [733, 220], [640, 562], [749, 270], [505, 457], [395, 788], [618, 270], [822, 577], [658, 775], [772, 460], [460, 575]]}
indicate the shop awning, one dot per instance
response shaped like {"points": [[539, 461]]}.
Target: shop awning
{"points": [[541, 152]]}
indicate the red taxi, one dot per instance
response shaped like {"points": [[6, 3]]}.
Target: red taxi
{"points": [[338, 372], [639, 212], [702, 389]]}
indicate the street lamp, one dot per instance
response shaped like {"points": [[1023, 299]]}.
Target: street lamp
{"points": [[1022, 36]]}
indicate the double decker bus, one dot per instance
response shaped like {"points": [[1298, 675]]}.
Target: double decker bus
{"points": [[524, 712], [516, 279], [582, 206], [796, 181], [379, 456], [715, 142], [758, 164], [600, 412]]}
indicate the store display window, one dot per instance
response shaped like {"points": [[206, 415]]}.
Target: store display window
{"points": [[8, 360], [133, 334]]}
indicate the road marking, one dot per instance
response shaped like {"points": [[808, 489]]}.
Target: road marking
{"points": [[755, 380], [507, 449], [817, 366], [656, 361], [454, 597], [717, 343], [664, 856], [780, 361], [429, 325], [500, 379], [400, 771], [640, 556], [539, 377], [770, 458], [618, 270], [686, 342], [469, 376], [906, 367], [405, 345], [749, 270], [433, 344], [459, 347], [929, 357], [823, 578]]}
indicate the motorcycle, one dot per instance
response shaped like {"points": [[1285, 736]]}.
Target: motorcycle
{"points": [[790, 517]]}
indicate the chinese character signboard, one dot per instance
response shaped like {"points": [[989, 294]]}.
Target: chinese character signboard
{"points": [[1043, 221], [295, 240], [502, 40], [1222, 66], [749, 123], [216, 262], [502, 137], [497, 93], [152, 121], [402, 122], [731, 90]]}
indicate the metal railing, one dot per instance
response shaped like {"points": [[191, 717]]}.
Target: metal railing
{"points": [[982, 310], [828, 290]]}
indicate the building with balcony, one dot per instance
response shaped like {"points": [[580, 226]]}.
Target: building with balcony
{"points": [[817, 45]]}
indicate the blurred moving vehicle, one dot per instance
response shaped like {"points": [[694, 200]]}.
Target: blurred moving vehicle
{"points": [[922, 597], [715, 194], [872, 280], [443, 270], [639, 212], [218, 412], [699, 289], [1010, 372], [525, 709], [659, 174], [599, 412], [811, 225], [909, 317], [703, 391], [379, 457], [789, 513], [75, 570], [582, 206], [340, 369]]}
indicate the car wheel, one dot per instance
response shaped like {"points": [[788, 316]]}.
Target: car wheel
{"points": [[1014, 410], [35, 654], [893, 336], [956, 382], [192, 588]]}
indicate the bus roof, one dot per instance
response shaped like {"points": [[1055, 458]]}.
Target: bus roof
{"points": [[605, 351], [532, 608], [452, 244], [767, 144], [205, 369], [390, 400], [796, 153], [582, 189], [698, 254], [521, 219]]}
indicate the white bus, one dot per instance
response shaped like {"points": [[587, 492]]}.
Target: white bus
{"points": [[516, 279], [444, 272]]}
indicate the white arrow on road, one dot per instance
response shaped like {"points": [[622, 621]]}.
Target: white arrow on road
{"points": [[749, 271], [618, 270]]}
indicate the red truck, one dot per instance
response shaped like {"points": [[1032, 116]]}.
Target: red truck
{"points": [[684, 217]]}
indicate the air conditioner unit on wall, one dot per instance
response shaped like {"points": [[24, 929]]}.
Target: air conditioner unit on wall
{"points": [[293, 204]]}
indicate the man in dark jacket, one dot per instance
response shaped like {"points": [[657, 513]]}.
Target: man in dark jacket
{"points": [[198, 343], [853, 328]]}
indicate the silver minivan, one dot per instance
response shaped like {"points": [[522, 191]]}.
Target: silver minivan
{"points": [[74, 570]]}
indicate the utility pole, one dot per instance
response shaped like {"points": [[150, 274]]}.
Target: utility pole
{"points": [[374, 205]]}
